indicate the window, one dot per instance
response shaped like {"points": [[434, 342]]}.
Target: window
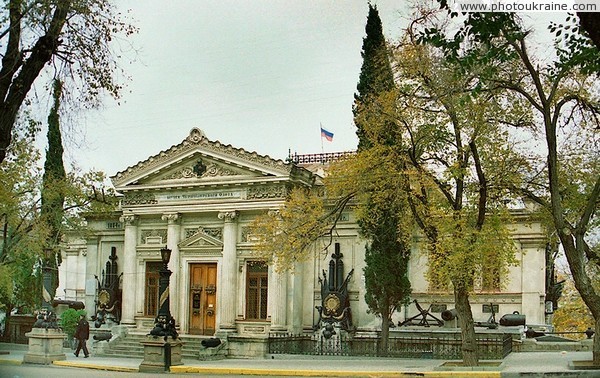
{"points": [[257, 283], [152, 288]]}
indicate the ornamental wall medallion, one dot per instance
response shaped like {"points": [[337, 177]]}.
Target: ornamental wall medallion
{"points": [[139, 198]]}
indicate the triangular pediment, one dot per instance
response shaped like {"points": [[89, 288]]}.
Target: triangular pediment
{"points": [[201, 239], [199, 168], [199, 161]]}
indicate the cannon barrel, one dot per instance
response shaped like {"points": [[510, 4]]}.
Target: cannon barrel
{"points": [[211, 343], [103, 336], [512, 320], [449, 314]]}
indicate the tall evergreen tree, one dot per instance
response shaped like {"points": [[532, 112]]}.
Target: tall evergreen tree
{"points": [[53, 181], [376, 75], [386, 279]]}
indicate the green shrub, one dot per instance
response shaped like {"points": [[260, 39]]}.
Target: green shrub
{"points": [[69, 320]]}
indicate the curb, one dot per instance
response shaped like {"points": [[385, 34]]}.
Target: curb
{"points": [[10, 362], [329, 373], [84, 365]]}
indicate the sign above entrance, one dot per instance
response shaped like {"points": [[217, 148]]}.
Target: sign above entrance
{"points": [[203, 195]]}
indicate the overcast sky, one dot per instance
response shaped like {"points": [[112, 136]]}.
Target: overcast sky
{"points": [[260, 75]]}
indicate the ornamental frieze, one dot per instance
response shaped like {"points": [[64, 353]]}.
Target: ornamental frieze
{"points": [[274, 191], [156, 236], [245, 233], [139, 198]]}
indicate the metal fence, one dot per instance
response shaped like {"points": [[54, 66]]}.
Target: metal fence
{"points": [[446, 346]]}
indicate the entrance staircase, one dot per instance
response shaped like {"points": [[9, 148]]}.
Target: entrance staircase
{"points": [[130, 346]]}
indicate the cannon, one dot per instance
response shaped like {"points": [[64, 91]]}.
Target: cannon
{"points": [[103, 336], [448, 315], [77, 305], [211, 343], [514, 319]]}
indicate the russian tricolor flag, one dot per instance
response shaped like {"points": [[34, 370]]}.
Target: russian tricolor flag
{"points": [[326, 134]]}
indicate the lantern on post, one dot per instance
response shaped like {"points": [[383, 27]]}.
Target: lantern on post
{"points": [[164, 322]]}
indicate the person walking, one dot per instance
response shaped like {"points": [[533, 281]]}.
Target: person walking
{"points": [[82, 333]]}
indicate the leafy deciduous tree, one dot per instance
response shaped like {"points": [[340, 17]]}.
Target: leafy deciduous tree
{"points": [[563, 96], [74, 35], [457, 165]]}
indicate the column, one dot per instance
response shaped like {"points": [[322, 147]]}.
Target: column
{"points": [[72, 276], [533, 282], [278, 300], [129, 269], [297, 309], [173, 236], [227, 288]]}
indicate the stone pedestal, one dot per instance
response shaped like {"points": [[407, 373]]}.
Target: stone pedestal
{"points": [[154, 354], [45, 346]]}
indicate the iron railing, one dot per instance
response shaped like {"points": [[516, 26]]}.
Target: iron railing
{"points": [[323, 158], [447, 346]]}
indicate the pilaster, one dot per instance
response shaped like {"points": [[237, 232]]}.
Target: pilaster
{"points": [[91, 263], [278, 300], [129, 268], [228, 285]]}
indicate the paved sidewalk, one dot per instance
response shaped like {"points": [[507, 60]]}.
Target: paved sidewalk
{"points": [[530, 364]]}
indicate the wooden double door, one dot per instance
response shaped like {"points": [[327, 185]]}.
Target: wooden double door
{"points": [[203, 298]]}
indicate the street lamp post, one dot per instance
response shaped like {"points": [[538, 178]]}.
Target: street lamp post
{"points": [[164, 322], [162, 354], [47, 279]]}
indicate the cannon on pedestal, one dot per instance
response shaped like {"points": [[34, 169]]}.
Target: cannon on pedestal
{"points": [[514, 319]]}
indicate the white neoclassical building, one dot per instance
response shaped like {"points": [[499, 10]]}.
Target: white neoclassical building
{"points": [[198, 198]]}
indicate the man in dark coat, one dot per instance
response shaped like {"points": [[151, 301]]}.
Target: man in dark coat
{"points": [[82, 333]]}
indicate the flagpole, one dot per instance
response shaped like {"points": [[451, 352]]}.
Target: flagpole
{"points": [[321, 136]]}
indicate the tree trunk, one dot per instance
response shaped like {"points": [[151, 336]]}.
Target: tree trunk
{"points": [[583, 284], [18, 86], [467, 326], [596, 345], [385, 333]]}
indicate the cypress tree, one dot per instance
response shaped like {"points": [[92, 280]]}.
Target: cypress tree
{"points": [[53, 181], [376, 75], [386, 279], [386, 272]]}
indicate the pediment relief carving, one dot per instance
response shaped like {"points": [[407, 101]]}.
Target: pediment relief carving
{"points": [[201, 239], [201, 169], [216, 232]]}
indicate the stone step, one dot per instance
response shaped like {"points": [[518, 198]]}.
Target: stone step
{"points": [[131, 346]]}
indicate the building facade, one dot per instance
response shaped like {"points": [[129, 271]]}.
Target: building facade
{"points": [[198, 198]]}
